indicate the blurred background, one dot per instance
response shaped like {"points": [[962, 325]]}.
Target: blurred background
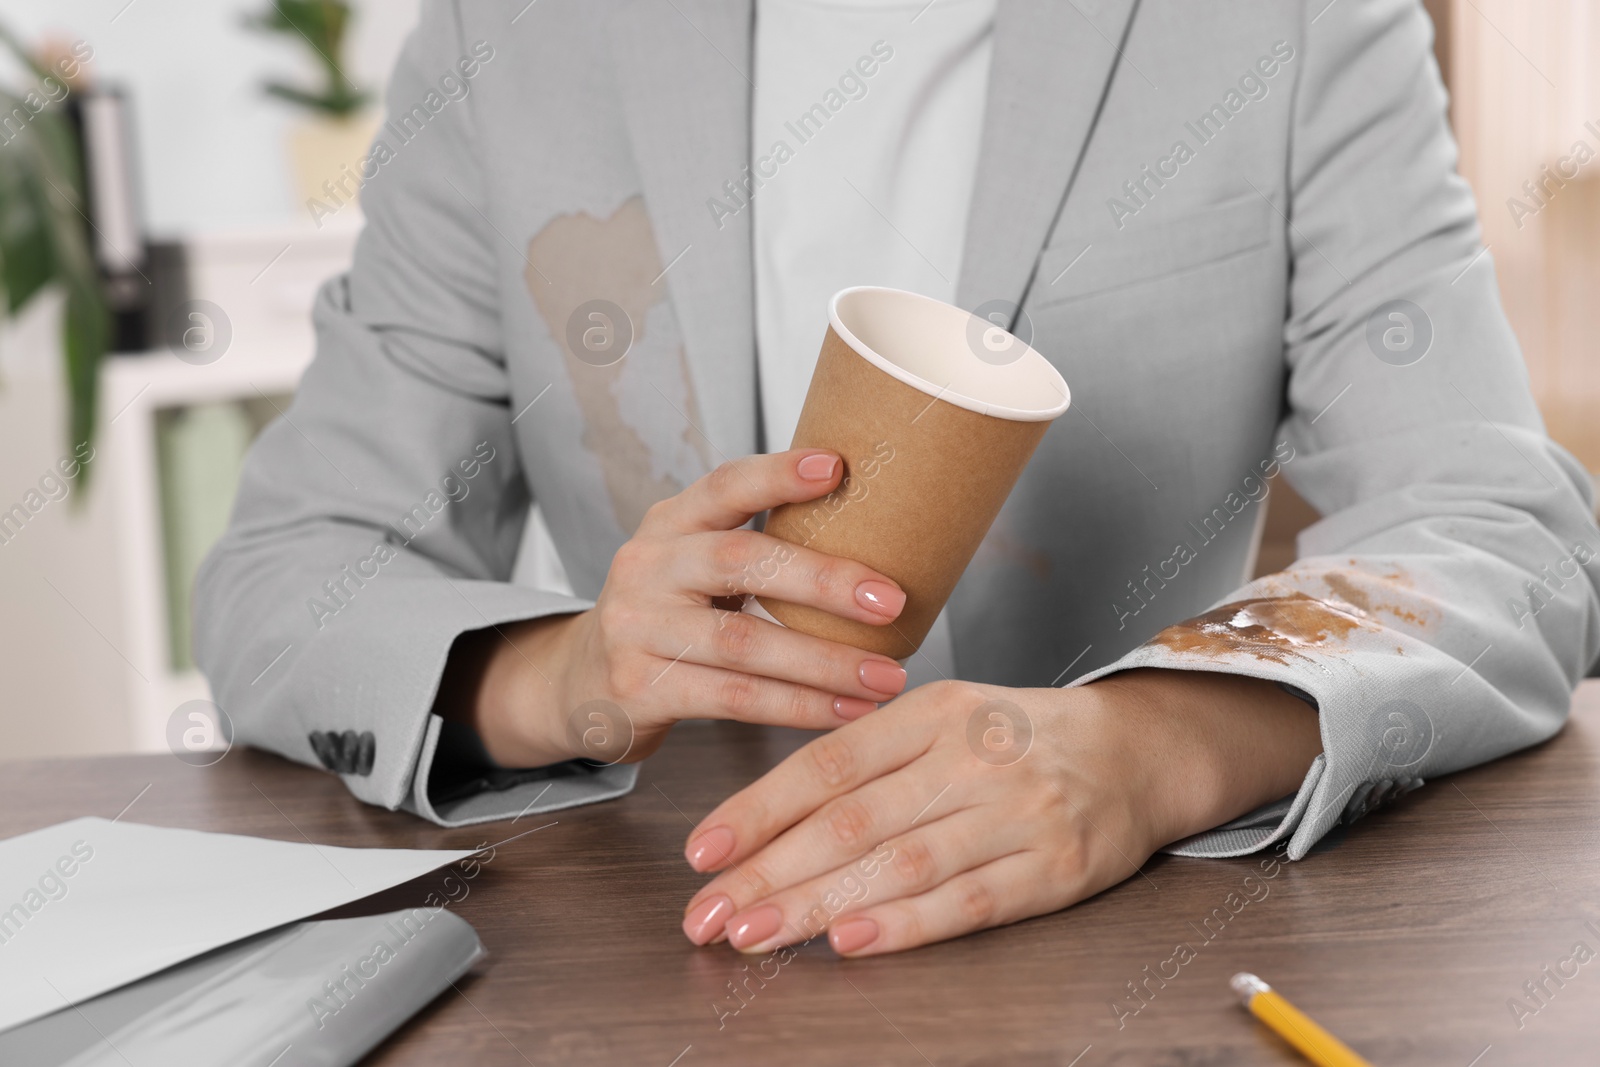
{"points": [[175, 182]]}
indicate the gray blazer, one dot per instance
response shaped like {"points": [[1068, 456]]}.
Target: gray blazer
{"points": [[1236, 229]]}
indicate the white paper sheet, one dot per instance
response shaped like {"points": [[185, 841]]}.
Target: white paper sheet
{"points": [[88, 905]]}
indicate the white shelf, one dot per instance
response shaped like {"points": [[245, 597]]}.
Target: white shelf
{"points": [[90, 638], [265, 283], [135, 389]]}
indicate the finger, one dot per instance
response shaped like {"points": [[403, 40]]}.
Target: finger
{"points": [[835, 835], [729, 496], [712, 693], [801, 906], [728, 562], [833, 765], [1005, 890], [749, 645]]}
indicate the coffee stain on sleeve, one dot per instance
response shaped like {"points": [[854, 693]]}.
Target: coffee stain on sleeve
{"points": [[1347, 590], [1287, 622], [643, 457], [1347, 587], [1276, 629]]}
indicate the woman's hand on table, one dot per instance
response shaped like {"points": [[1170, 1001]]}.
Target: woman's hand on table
{"points": [[961, 806]]}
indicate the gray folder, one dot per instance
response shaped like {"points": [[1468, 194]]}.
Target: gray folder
{"points": [[311, 994]]}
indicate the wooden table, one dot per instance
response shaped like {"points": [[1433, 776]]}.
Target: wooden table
{"points": [[1406, 934]]}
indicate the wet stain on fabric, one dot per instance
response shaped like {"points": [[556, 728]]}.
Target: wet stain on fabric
{"points": [[1003, 545], [647, 451], [1277, 629], [1345, 587]]}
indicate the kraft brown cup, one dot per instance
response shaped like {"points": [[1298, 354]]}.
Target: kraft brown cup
{"points": [[935, 413]]}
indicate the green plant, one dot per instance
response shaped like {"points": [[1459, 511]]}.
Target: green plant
{"points": [[321, 24], [43, 236]]}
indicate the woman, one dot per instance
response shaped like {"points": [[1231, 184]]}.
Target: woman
{"points": [[599, 246]]}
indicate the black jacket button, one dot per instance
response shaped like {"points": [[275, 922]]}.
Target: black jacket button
{"points": [[345, 753], [348, 742], [326, 749], [366, 752]]}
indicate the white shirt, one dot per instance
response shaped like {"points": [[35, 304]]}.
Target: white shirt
{"points": [[864, 148]]}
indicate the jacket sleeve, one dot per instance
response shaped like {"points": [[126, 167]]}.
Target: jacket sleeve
{"points": [[1444, 608], [379, 517]]}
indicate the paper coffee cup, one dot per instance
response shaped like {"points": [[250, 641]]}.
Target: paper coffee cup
{"points": [[935, 413]]}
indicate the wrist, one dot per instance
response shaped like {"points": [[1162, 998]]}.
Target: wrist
{"points": [[1204, 748], [512, 692]]}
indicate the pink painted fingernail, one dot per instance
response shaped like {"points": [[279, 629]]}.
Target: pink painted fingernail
{"points": [[853, 935], [710, 849], [880, 598], [852, 708], [881, 676], [818, 468], [755, 926], [707, 918]]}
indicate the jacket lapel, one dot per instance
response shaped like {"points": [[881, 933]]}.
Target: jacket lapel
{"points": [[684, 76], [683, 72], [1051, 69]]}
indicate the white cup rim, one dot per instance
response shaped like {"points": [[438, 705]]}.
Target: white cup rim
{"points": [[1031, 362]]}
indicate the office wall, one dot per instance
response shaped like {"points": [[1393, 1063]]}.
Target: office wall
{"points": [[1526, 86]]}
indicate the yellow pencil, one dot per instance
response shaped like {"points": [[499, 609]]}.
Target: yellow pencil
{"points": [[1293, 1025]]}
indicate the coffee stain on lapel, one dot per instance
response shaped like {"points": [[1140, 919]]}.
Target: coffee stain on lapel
{"points": [[577, 258]]}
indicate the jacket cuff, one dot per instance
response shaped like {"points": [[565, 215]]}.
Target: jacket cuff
{"points": [[457, 785], [1364, 763], [364, 691]]}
